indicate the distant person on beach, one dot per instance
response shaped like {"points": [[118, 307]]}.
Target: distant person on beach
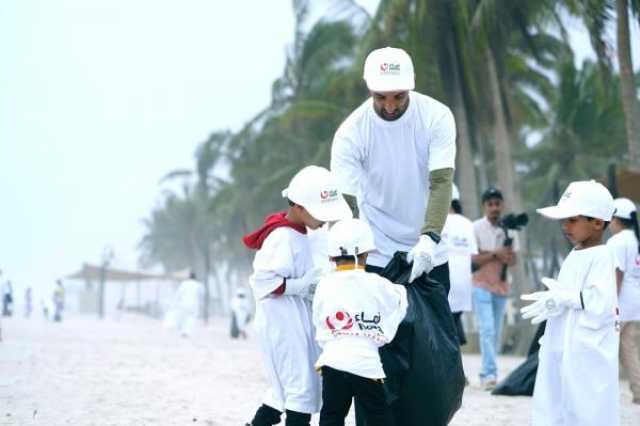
{"points": [[58, 301], [28, 302], [7, 299], [241, 308], [188, 301]]}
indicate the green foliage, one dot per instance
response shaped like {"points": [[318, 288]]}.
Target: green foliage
{"points": [[574, 113]]}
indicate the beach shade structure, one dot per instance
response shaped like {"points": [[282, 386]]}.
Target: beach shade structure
{"points": [[91, 273], [103, 274]]}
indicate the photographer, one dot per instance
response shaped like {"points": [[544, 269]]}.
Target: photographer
{"points": [[491, 285]]}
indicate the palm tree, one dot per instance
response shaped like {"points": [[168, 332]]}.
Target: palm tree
{"points": [[630, 102]]}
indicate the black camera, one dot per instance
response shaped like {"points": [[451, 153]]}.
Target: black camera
{"points": [[514, 222]]}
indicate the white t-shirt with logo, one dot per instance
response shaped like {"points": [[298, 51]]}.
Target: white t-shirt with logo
{"points": [[625, 249], [386, 165], [355, 312], [460, 240]]}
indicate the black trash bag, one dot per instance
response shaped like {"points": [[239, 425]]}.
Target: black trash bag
{"points": [[521, 381], [235, 330], [425, 378]]}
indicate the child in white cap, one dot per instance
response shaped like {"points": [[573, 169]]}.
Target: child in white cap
{"points": [[577, 379], [624, 244], [355, 312], [283, 281]]}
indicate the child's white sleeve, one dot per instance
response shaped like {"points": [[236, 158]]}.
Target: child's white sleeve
{"points": [[273, 262], [317, 313], [395, 307], [598, 296]]}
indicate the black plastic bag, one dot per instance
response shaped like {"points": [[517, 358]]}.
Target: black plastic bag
{"points": [[425, 378], [521, 381]]}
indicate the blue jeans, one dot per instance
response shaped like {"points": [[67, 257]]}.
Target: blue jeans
{"points": [[489, 309]]}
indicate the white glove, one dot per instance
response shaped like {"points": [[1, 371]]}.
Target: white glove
{"points": [[304, 286], [422, 257], [550, 303]]}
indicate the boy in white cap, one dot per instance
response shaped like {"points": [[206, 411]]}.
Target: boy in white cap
{"points": [[624, 244], [577, 378], [355, 312], [283, 281]]}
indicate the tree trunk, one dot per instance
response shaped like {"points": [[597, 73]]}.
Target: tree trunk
{"points": [[464, 160], [482, 160], [503, 160], [627, 85]]}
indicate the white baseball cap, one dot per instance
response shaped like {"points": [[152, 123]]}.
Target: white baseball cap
{"points": [[315, 189], [389, 70], [624, 208], [455, 194], [582, 198], [350, 237]]}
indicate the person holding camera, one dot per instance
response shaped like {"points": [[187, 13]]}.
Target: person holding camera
{"points": [[497, 247]]}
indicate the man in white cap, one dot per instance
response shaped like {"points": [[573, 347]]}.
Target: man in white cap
{"points": [[460, 240], [626, 251], [394, 158], [577, 378], [283, 281]]}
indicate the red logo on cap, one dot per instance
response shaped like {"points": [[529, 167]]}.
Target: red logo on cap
{"points": [[384, 67]]}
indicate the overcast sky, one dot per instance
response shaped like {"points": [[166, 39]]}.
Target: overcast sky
{"points": [[99, 99]]}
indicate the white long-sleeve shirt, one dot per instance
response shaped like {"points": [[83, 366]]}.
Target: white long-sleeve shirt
{"points": [[355, 312]]}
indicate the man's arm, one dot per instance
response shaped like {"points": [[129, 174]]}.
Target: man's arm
{"points": [[439, 200]]}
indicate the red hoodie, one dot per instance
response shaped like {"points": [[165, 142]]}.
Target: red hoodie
{"points": [[273, 221]]}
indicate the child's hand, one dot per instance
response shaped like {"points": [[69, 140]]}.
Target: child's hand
{"points": [[550, 303], [304, 286]]}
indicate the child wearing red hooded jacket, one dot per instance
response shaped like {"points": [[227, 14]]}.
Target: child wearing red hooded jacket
{"points": [[283, 281]]}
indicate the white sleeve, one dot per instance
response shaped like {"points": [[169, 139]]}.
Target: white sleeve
{"points": [[619, 253], [473, 242], [273, 262], [599, 293], [442, 144], [395, 307], [346, 162], [317, 308]]}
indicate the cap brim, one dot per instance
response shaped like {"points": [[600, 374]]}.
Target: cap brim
{"points": [[391, 85], [332, 211], [557, 212]]}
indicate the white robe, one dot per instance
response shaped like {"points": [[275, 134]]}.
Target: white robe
{"points": [[184, 315], [241, 308], [577, 379], [284, 325]]}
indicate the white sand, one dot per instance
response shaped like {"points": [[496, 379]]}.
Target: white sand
{"points": [[134, 372]]}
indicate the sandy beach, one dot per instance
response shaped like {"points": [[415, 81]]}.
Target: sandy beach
{"points": [[134, 372]]}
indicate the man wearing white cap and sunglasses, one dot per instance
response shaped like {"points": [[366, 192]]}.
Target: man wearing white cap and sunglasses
{"points": [[283, 282], [577, 378], [394, 159]]}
